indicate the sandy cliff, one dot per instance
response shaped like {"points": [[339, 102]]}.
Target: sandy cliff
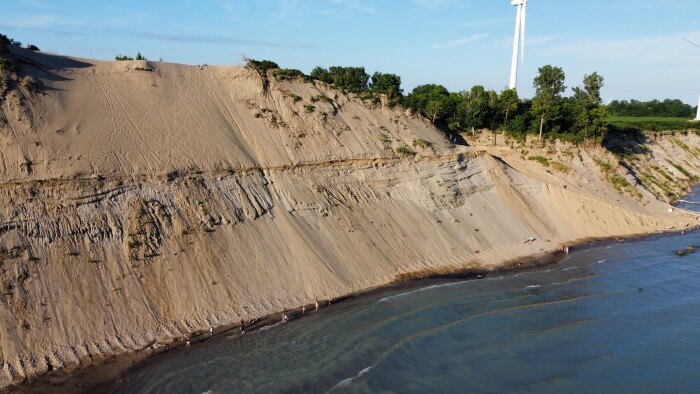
{"points": [[141, 205]]}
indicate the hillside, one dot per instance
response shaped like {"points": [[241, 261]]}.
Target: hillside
{"points": [[142, 202]]}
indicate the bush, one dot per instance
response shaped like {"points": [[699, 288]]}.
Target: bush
{"points": [[122, 58], [351, 79], [540, 159], [261, 66], [32, 47], [309, 108], [30, 84], [139, 56], [420, 143], [287, 74], [405, 150]]}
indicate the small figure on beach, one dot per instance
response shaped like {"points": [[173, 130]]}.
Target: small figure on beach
{"points": [[316, 305], [303, 310], [188, 345], [284, 318], [329, 302], [211, 331]]}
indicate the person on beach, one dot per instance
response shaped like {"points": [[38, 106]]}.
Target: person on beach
{"points": [[242, 329], [303, 310], [211, 331], [284, 318], [316, 305], [188, 345]]}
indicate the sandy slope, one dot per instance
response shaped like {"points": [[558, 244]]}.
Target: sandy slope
{"points": [[139, 206]]}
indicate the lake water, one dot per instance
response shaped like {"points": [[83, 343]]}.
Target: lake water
{"points": [[609, 318]]}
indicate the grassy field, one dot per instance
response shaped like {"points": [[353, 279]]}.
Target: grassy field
{"points": [[652, 123]]}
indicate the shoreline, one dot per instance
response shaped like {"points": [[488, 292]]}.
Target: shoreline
{"points": [[101, 374]]}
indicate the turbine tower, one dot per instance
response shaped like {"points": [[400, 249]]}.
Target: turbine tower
{"points": [[697, 116], [518, 41]]}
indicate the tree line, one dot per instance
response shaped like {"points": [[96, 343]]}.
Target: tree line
{"points": [[654, 108], [548, 113]]}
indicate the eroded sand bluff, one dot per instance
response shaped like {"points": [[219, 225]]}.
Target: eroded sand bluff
{"points": [[139, 206]]}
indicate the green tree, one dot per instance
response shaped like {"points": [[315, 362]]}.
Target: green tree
{"points": [[505, 104], [321, 74], [549, 85], [477, 108], [389, 84], [590, 116], [431, 101]]}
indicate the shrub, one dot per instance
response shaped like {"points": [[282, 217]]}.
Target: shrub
{"points": [[288, 74], [30, 84], [32, 47], [351, 79], [309, 108], [261, 66], [540, 159], [405, 150], [122, 58], [420, 143], [139, 56]]}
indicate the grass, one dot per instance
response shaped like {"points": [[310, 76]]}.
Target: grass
{"points": [[405, 150], [420, 143], [540, 159], [652, 123]]}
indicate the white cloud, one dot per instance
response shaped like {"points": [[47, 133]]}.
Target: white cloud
{"points": [[460, 41]]}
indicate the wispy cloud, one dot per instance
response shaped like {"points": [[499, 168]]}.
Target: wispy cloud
{"points": [[356, 5], [460, 41], [217, 39], [439, 3], [664, 49]]}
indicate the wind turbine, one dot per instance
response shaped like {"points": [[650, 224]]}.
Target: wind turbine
{"points": [[518, 41], [697, 116]]}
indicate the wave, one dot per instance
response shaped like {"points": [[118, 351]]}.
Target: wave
{"points": [[348, 381]]}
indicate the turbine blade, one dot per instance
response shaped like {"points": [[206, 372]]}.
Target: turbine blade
{"points": [[690, 42], [522, 34]]}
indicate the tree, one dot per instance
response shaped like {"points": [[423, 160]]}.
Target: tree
{"points": [[590, 116], [321, 74], [431, 101], [508, 102], [549, 85], [389, 84], [477, 107], [352, 79]]}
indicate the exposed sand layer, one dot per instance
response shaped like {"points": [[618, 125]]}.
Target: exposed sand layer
{"points": [[141, 206]]}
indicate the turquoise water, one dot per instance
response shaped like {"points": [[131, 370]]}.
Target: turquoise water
{"points": [[609, 318]]}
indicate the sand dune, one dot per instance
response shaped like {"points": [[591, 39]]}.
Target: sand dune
{"points": [[140, 206]]}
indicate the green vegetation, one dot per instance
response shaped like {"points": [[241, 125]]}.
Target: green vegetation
{"points": [[288, 74], [309, 108], [405, 150], [139, 56], [655, 108], [683, 171], [632, 123], [540, 159], [421, 143]]}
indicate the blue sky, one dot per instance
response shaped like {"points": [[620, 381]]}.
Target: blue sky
{"points": [[636, 45]]}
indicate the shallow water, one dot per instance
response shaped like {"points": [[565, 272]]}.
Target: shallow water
{"points": [[609, 318]]}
